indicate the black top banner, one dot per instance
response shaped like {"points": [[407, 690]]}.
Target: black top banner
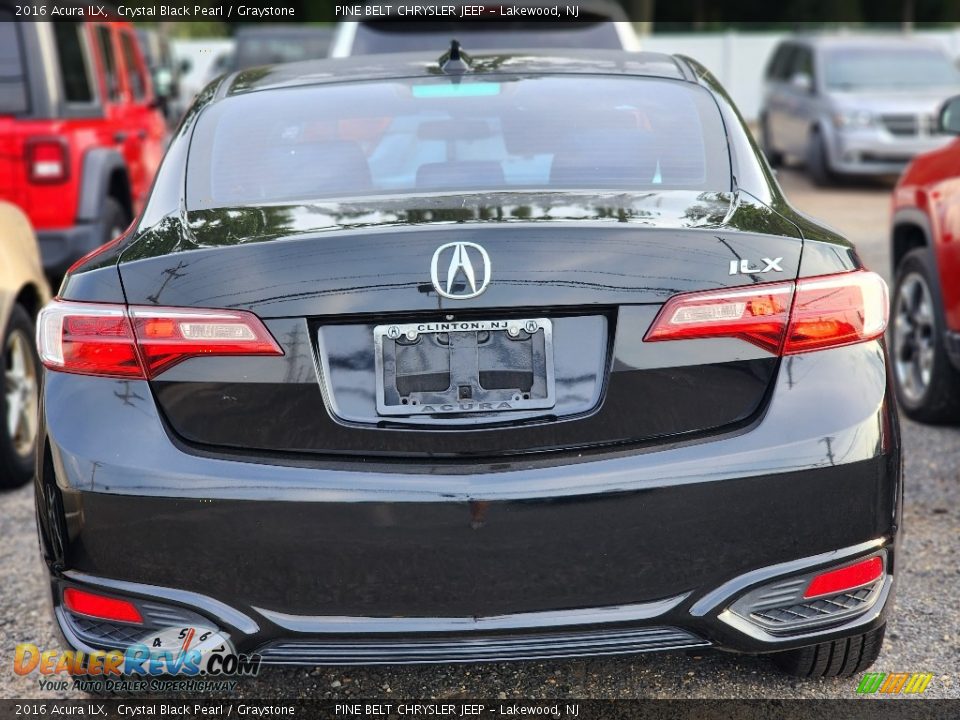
{"points": [[675, 14]]}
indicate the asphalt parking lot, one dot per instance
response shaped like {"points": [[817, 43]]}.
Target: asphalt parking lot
{"points": [[923, 635]]}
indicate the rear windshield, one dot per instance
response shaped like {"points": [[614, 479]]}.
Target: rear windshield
{"points": [[13, 80], [436, 135], [393, 36]]}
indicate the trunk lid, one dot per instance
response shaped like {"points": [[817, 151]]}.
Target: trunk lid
{"points": [[593, 269]]}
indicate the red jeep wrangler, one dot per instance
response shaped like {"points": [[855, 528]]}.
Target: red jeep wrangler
{"points": [[80, 133], [925, 325]]}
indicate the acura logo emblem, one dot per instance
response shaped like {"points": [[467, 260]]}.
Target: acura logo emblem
{"points": [[465, 262]]}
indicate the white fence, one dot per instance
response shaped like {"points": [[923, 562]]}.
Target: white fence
{"points": [[738, 59]]}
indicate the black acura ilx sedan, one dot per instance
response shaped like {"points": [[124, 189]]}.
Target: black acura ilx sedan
{"points": [[511, 356]]}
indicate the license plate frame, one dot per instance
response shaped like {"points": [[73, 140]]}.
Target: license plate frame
{"points": [[462, 338]]}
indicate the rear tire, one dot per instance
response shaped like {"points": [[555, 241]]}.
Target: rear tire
{"points": [[818, 167], [927, 383], [774, 157], [18, 400], [837, 658]]}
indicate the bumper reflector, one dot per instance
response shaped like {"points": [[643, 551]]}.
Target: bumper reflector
{"points": [[846, 578], [817, 598], [99, 606]]}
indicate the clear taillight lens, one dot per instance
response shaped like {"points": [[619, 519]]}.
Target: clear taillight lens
{"points": [[142, 342], [782, 318]]}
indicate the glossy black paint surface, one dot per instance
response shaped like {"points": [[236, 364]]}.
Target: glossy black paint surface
{"points": [[474, 557], [670, 478], [321, 538], [383, 270]]}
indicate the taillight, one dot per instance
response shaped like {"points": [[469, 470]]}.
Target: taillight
{"points": [[758, 315], [48, 160], [837, 310], [142, 342], [100, 606], [87, 339], [782, 318], [167, 336], [846, 578]]}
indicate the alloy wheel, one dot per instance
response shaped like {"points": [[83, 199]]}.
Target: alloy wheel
{"points": [[20, 388], [914, 337]]}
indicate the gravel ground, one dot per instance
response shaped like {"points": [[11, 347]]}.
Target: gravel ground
{"points": [[923, 635]]}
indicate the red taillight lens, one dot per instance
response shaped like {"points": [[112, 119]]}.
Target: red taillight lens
{"points": [[48, 160], [758, 315], [100, 606], [837, 310], [142, 342], [88, 339], [785, 318], [167, 336], [846, 578]]}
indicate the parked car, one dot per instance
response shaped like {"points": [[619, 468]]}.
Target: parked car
{"points": [[464, 371], [601, 25], [23, 291], [275, 43], [165, 72], [849, 105], [926, 264], [80, 133]]}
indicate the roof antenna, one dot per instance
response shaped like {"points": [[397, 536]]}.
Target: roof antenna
{"points": [[453, 61]]}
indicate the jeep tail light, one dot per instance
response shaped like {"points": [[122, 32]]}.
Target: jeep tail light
{"points": [[782, 318], [100, 606], [845, 578], [48, 161], [142, 342]]}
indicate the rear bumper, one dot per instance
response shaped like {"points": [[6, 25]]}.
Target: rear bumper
{"points": [[676, 623], [302, 560], [59, 249]]}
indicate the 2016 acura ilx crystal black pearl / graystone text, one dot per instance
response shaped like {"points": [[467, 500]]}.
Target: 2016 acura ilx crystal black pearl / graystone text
{"points": [[499, 357]]}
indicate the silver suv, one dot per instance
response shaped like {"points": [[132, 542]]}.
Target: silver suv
{"points": [[849, 105]]}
